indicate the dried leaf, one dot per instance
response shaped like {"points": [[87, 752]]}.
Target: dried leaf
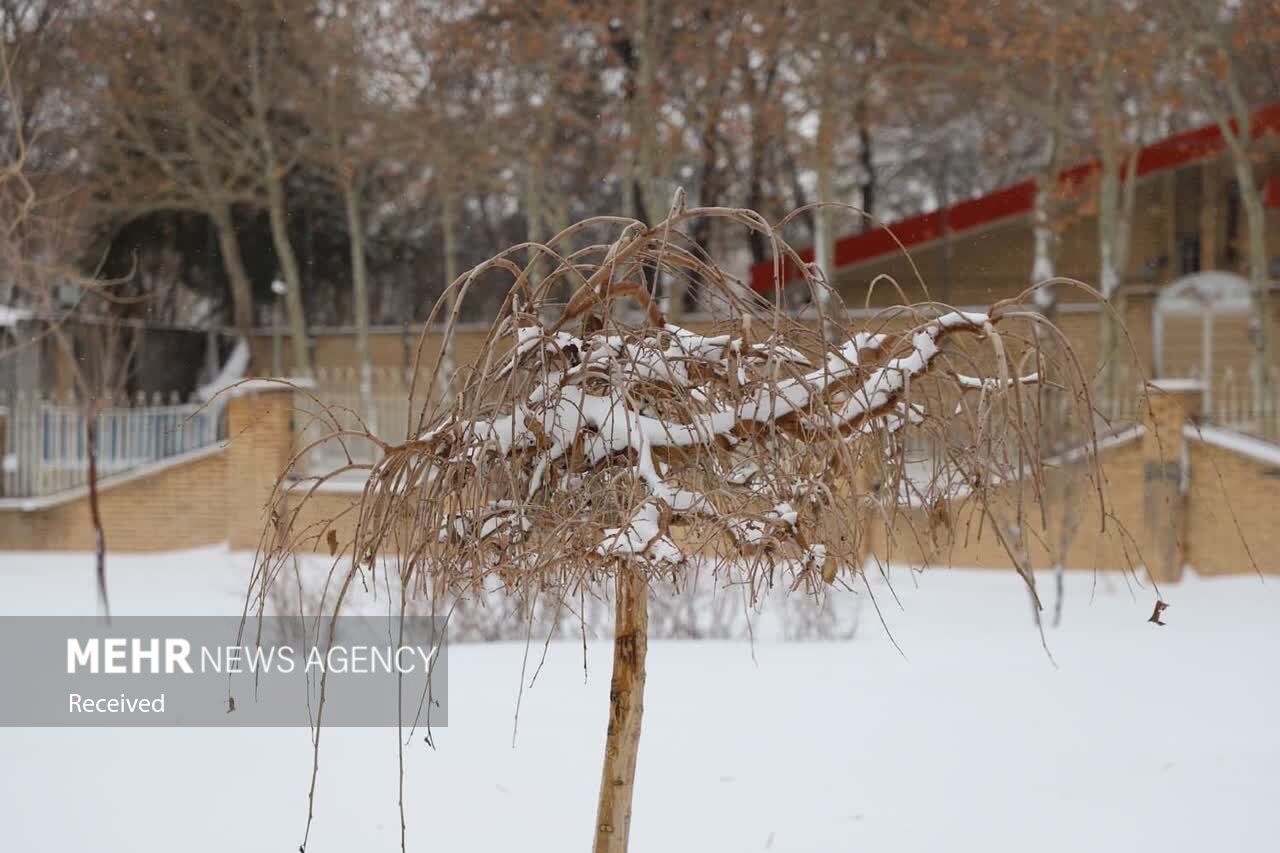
{"points": [[332, 539], [1155, 614]]}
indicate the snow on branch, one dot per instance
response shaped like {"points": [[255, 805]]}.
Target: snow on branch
{"points": [[612, 438]]}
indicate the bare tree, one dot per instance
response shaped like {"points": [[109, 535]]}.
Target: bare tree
{"points": [[1223, 56], [266, 66], [168, 140], [42, 240], [591, 454], [1126, 84], [348, 116]]}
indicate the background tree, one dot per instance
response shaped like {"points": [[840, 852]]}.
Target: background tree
{"points": [[1231, 52], [1128, 90], [264, 54], [169, 139], [42, 238], [348, 114]]}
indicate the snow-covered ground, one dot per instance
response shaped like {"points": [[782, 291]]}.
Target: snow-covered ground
{"points": [[1142, 737]]}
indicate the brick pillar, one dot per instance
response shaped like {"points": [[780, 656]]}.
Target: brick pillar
{"points": [[1171, 405], [260, 444]]}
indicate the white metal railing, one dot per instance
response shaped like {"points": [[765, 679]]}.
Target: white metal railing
{"points": [[343, 406], [1229, 400], [1229, 404], [45, 443]]}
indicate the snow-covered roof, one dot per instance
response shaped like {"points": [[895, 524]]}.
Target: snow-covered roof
{"points": [[232, 371]]}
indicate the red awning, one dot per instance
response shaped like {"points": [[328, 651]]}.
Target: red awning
{"points": [[1170, 153]]}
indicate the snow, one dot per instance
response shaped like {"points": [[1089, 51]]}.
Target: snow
{"points": [[1212, 290], [1104, 442], [1175, 385], [561, 410], [10, 316], [232, 371], [1255, 448], [992, 383], [970, 740], [886, 381], [258, 386], [641, 537]]}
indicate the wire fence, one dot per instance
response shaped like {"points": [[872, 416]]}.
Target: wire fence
{"points": [[45, 440]]}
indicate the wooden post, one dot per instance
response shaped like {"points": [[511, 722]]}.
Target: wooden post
{"points": [[626, 707]]}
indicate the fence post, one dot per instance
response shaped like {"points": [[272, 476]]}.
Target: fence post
{"points": [[260, 444], [1171, 404]]}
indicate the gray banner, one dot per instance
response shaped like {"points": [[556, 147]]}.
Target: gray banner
{"points": [[203, 671]]}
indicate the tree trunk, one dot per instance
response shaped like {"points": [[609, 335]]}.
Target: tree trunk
{"points": [[865, 158], [1260, 368], [824, 236], [233, 263], [644, 113], [289, 269], [626, 708], [448, 222], [95, 513], [1239, 140], [534, 222], [1045, 263], [360, 298], [1115, 216], [273, 177], [944, 207], [1116, 196], [216, 203]]}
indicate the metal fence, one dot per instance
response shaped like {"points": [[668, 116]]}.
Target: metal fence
{"points": [[343, 406], [1229, 400], [45, 442]]}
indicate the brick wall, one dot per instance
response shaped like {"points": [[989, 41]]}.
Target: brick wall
{"points": [[179, 504], [1172, 498], [1216, 514], [1234, 518], [215, 495]]}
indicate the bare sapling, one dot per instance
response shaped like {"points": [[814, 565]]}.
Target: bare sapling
{"points": [[607, 449], [43, 241]]}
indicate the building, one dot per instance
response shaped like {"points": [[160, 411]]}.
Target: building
{"points": [[1187, 222]]}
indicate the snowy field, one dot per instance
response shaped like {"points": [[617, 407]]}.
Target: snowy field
{"points": [[1141, 738]]}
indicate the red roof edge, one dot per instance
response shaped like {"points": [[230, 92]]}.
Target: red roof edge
{"points": [[1271, 193], [1169, 153]]}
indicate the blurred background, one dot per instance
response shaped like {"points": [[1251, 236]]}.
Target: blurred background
{"points": [[196, 192], [204, 151]]}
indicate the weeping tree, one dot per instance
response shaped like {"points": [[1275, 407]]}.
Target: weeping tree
{"points": [[608, 452]]}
